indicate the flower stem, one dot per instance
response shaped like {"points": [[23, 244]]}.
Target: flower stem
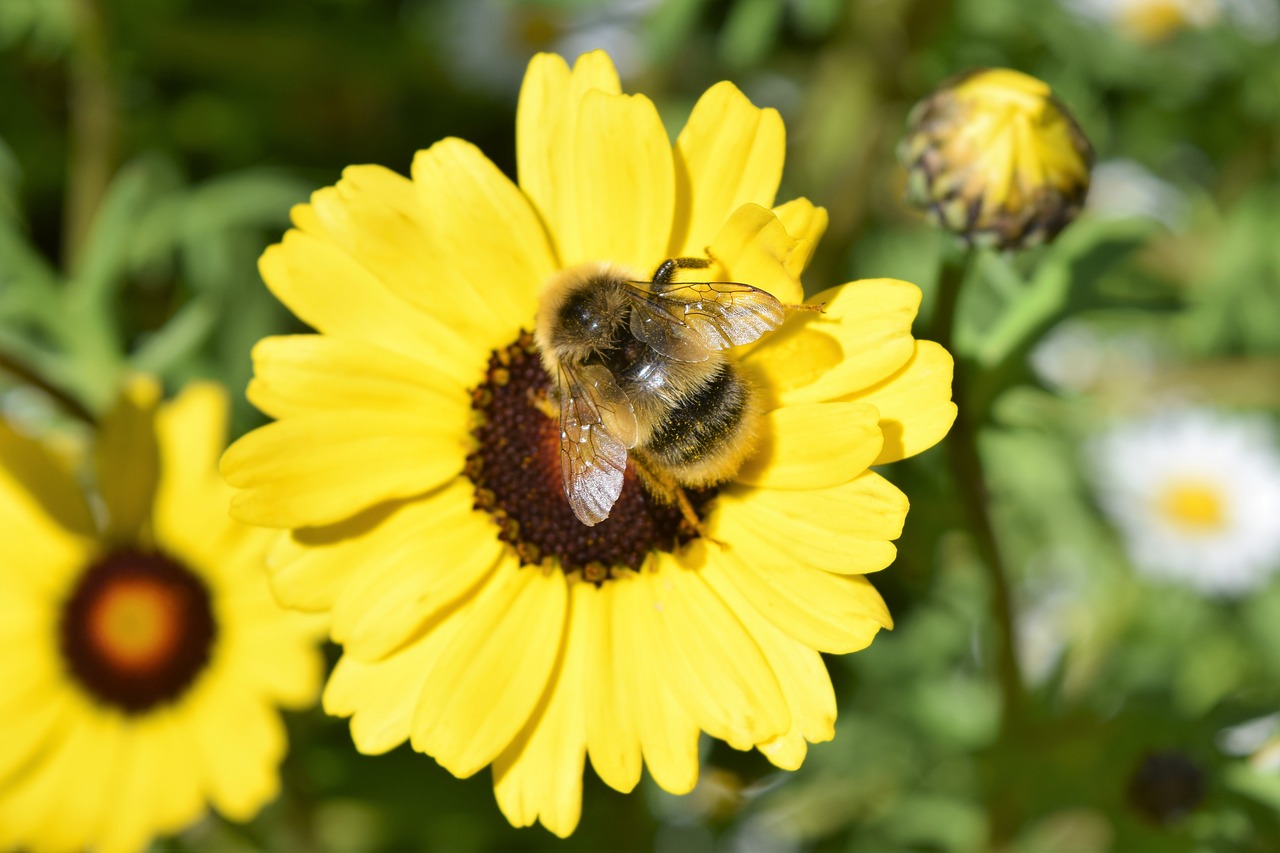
{"points": [[94, 127], [30, 376], [965, 459]]}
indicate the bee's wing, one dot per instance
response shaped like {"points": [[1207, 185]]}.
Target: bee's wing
{"points": [[597, 426], [687, 320]]}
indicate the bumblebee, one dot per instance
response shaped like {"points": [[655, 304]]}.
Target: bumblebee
{"points": [[640, 370]]}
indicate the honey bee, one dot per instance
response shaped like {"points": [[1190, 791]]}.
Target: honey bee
{"points": [[640, 370]]}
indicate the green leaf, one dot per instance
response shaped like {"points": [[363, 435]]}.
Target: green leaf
{"points": [[100, 272], [749, 32]]}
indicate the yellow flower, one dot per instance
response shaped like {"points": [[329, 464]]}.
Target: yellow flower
{"points": [[420, 475], [144, 655], [993, 156]]}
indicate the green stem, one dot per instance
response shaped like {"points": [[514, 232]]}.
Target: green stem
{"points": [[965, 460], [30, 376], [94, 126]]}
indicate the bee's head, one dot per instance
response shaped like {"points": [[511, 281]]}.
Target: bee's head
{"points": [[581, 312]]}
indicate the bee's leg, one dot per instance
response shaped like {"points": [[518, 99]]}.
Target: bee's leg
{"points": [[664, 487], [542, 401], [820, 307], [667, 269]]}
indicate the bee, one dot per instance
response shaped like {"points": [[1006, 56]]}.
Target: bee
{"points": [[641, 371]]}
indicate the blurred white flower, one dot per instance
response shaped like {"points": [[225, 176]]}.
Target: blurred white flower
{"points": [[1257, 20], [1257, 739], [1195, 495], [486, 44], [1149, 20], [1125, 188], [1250, 736], [1076, 356]]}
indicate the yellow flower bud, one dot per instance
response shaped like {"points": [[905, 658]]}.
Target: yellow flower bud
{"points": [[993, 156]]}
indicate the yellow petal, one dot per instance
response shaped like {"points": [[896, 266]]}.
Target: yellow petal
{"points": [[33, 717], [429, 555], [127, 460], [239, 743], [309, 567], [622, 184], [613, 740], [331, 292], [803, 678], [754, 248], [274, 651], [458, 241], [668, 732], [868, 506], [914, 404], [717, 670], [319, 469], [37, 488], [539, 777], [545, 120], [485, 686], [729, 154], [191, 498], [862, 336], [806, 223], [814, 445], [786, 752], [379, 697], [46, 521], [827, 612], [168, 782], [308, 374], [62, 802], [484, 241], [758, 522]]}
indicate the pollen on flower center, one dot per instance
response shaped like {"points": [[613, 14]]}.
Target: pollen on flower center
{"points": [[1194, 505], [516, 472], [137, 629]]}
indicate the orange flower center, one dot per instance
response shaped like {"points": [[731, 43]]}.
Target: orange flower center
{"points": [[134, 623], [137, 629]]}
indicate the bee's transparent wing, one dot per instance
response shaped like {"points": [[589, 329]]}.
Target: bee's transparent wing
{"points": [[597, 426], [688, 320]]}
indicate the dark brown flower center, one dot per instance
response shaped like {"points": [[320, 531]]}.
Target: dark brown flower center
{"points": [[137, 629], [516, 472]]}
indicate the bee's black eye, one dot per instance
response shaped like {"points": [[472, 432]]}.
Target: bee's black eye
{"points": [[580, 316]]}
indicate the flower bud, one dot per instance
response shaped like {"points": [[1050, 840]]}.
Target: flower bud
{"points": [[993, 156]]}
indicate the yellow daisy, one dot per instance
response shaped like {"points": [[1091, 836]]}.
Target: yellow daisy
{"points": [[145, 656], [417, 469]]}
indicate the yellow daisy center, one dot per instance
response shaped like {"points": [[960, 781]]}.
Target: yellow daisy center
{"points": [[1194, 504], [137, 630], [1154, 21], [516, 471]]}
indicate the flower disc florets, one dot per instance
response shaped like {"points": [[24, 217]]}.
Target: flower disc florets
{"points": [[516, 472]]}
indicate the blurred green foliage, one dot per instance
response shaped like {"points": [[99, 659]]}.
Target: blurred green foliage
{"points": [[150, 149]]}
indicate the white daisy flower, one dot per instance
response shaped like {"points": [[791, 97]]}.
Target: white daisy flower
{"points": [[1196, 497], [1124, 188], [1149, 21]]}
